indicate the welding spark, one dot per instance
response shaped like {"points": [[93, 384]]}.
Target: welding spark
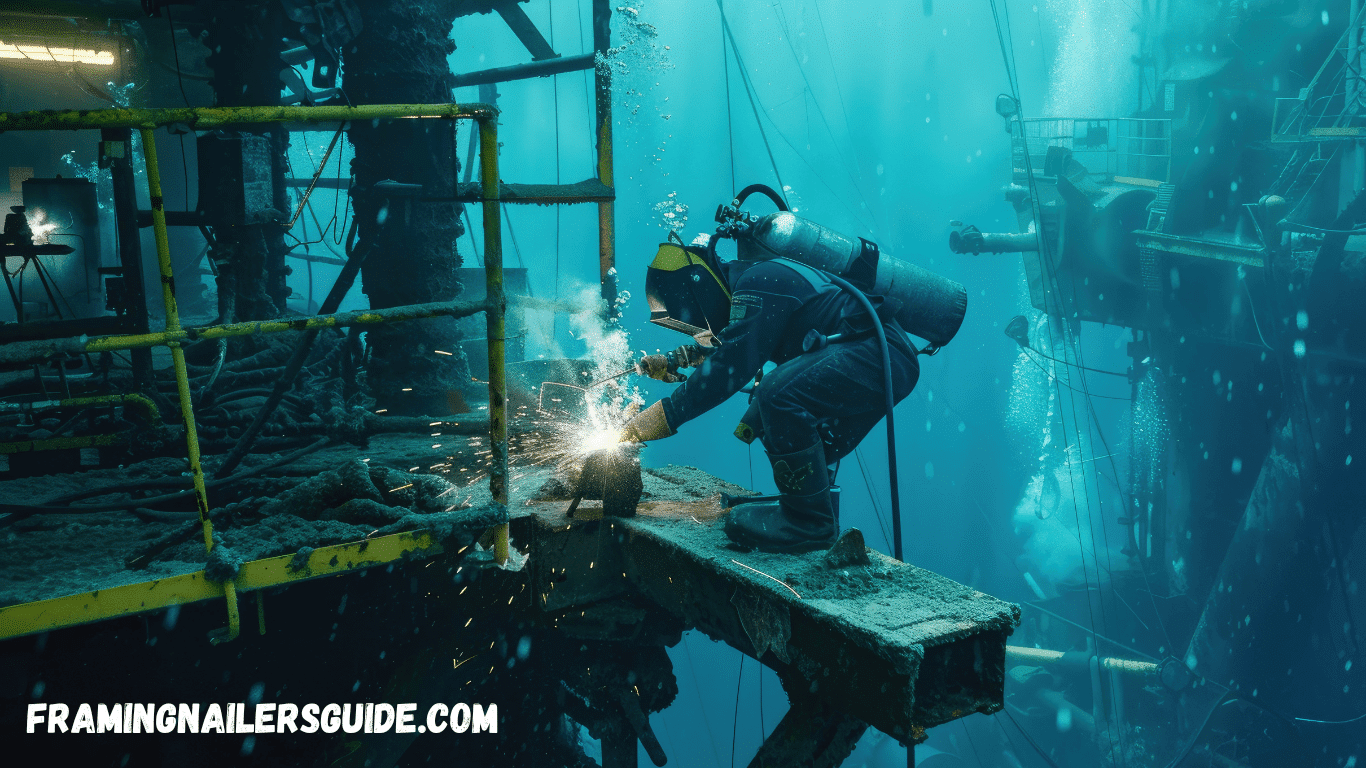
{"points": [[563, 440], [42, 226]]}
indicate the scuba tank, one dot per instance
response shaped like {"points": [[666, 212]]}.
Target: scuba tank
{"points": [[927, 305]]}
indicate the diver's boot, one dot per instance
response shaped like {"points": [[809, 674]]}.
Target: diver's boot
{"points": [[803, 519]]}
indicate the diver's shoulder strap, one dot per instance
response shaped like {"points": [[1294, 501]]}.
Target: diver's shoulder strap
{"points": [[817, 278], [886, 310]]}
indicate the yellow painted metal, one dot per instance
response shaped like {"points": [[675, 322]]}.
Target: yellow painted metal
{"points": [[58, 443], [1134, 181], [141, 402], [338, 320], [229, 633], [208, 118], [607, 239], [20, 352], [494, 295], [182, 379], [87, 607], [338, 558], [214, 117]]}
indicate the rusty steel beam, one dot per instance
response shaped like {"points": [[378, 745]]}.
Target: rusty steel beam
{"points": [[602, 87], [546, 68], [525, 30], [587, 191], [892, 645]]}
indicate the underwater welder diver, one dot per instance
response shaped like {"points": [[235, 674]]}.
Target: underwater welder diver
{"points": [[827, 391]]}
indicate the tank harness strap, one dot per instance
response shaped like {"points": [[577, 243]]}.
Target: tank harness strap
{"points": [[862, 272]]}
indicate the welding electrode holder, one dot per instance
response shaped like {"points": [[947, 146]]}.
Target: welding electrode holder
{"points": [[664, 366]]}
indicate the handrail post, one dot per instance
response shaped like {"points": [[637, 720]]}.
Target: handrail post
{"points": [[497, 308], [182, 380], [602, 85]]}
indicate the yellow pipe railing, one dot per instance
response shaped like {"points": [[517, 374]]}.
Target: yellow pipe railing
{"points": [[36, 351], [141, 402], [493, 288], [206, 118], [182, 378]]}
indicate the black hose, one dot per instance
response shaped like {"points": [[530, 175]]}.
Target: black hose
{"points": [[890, 402], [20, 511], [238, 394], [766, 191], [299, 356]]}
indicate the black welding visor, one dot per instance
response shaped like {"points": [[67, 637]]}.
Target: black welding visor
{"points": [[684, 293]]}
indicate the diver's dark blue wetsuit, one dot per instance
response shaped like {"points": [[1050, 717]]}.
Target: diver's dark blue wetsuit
{"points": [[774, 305]]}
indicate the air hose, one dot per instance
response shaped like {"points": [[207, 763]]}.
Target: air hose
{"points": [[862, 298], [890, 402], [740, 198], [766, 190]]}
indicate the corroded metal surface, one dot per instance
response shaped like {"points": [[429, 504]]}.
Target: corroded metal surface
{"points": [[896, 646]]}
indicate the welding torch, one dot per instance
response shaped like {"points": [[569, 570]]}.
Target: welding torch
{"points": [[664, 366], [652, 423]]}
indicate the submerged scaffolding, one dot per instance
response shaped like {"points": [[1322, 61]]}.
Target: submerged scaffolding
{"points": [[82, 608]]}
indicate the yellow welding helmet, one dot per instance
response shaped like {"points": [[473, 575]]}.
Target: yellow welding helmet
{"points": [[685, 293]]}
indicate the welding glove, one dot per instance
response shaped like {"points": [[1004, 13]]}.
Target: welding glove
{"points": [[660, 368], [649, 424]]}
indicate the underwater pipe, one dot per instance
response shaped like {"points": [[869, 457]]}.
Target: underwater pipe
{"points": [[1077, 660], [974, 241], [199, 491], [44, 349], [141, 402]]}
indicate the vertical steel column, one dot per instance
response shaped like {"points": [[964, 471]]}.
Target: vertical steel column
{"points": [[602, 83], [182, 379], [117, 152], [497, 301], [1354, 158]]}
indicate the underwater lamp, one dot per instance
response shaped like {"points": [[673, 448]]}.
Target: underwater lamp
{"points": [[40, 52]]}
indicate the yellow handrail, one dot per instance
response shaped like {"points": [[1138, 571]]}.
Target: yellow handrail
{"points": [[206, 118], [493, 289]]}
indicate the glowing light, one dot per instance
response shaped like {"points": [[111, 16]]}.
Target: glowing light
{"points": [[45, 53], [42, 226], [564, 441]]}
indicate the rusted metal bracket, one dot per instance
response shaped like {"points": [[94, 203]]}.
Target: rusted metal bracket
{"points": [[525, 30], [812, 733]]}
